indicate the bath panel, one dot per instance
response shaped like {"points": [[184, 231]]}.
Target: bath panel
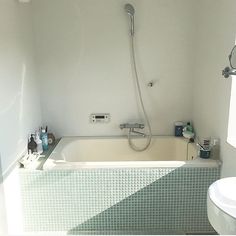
{"points": [[124, 200]]}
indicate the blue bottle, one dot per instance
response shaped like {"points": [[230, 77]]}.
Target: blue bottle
{"points": [[179, 128], [44, 140]]}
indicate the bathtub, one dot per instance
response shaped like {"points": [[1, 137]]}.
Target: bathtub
{"points": [[101, 186], [114, 152]]}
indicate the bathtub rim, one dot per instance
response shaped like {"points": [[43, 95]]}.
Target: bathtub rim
{"points": [[52, 164], [67, 139]]}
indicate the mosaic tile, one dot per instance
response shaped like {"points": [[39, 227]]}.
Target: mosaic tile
{"points": [[117, 200]]}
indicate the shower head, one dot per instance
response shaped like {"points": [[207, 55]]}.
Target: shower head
{"points": [[129, 9]]}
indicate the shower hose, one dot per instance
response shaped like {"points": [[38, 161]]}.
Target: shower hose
{"points": [[149, 135]]}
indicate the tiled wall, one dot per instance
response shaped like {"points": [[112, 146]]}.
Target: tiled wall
{"points": [[141, 200]]}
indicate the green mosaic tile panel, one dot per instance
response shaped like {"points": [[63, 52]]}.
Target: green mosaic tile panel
{"points": [[117, 200]]}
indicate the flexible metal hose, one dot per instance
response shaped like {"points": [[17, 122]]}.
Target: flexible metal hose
{"points": [[149, 136]]}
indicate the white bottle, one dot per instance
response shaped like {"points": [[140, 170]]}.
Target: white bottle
{"points": [[39, 143]]}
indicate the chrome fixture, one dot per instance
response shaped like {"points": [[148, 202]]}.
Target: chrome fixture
{"points": [[129, 9], [232, 61], [228, 71], [150, 84], [132, 128], [137, 132]]}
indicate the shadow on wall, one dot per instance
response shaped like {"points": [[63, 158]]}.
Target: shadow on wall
{"points": [[175, 203]]}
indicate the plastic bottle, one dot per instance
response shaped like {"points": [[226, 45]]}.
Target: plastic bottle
{"points": [[189, 127], [188, 131], [39, 143], [178, 128], [44, 140], [32, 145]]}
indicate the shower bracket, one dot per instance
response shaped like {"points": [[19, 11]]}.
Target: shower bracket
{"points": [[228, 71]]}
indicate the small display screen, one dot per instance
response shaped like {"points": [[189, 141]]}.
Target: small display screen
{"points": [[99, 117]]}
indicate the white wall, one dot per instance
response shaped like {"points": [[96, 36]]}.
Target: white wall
{"points": [[216, 36], [83, 60], [3, 221], [19, 97]]}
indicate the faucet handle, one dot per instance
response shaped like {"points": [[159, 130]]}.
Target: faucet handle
{"points": [[122, 126], [141, 126]]}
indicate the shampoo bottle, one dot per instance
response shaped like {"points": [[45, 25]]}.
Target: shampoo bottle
{"points": [[32, 145], [189, 127], [44, 140], [39, 143]]}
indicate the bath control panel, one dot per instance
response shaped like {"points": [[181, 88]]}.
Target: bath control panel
{"points": [[100, 118]]}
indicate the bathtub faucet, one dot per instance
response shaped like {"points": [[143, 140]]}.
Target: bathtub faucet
{"points": [[136, 132], [132, 128]]}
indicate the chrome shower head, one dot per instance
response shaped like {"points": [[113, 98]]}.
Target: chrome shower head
{"points": [[129, 9]]}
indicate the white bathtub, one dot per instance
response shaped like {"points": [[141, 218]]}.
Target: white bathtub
{"points": [[114, 152], [101, 186]]}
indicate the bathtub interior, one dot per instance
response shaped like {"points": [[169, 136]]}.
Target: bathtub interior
{"points": [[117, 149]]}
